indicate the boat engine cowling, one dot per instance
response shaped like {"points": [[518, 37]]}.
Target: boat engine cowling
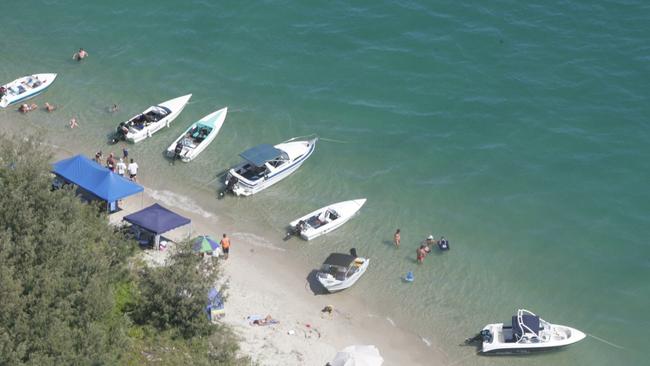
{"points": [[486, 335]]}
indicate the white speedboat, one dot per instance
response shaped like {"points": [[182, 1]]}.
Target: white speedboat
{"points": [[24, 88], [528, 333], [325, 219], [340, 271], [266, 165], [197, 137], [154, 118]]}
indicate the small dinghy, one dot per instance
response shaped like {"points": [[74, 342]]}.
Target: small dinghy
{"points": [[266, 165], [197, 137], [24, 88], [527, 333], [340, 271], [325, 219], [145, 124]]}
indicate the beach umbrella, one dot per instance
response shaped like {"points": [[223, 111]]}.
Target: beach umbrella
{"points": [[358, 356], [204, 244]]}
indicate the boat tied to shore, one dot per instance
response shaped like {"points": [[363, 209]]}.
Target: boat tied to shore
{"points": [[340, 270], [264, 165], [154, 118], [528, 333], [24, 88], [325, 219], [197, 137]]}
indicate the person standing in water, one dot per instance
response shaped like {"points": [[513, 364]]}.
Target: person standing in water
{"points": [[225, 246], [397, 238]]}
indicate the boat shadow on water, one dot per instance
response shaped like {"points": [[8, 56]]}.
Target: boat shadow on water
{"points": [[315, 286]]}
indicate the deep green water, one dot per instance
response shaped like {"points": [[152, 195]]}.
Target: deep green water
{"points": [[517, 129]]}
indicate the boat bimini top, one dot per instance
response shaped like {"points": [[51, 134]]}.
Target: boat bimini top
{"points": [[525, 326], [261, 154]]}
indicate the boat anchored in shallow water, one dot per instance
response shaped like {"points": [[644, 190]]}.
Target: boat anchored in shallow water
{"points": [[325, 219], [154, 118], [340, 271], [197, 137], [266, 165], [528, 333], [24, 88]]}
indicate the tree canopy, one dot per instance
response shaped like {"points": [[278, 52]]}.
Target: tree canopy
{"points": [[71, 293]]}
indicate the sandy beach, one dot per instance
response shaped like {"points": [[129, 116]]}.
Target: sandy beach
{"points": [[262, 281]]}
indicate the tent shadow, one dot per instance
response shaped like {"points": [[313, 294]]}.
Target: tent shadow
{"points": [[315, 286]]}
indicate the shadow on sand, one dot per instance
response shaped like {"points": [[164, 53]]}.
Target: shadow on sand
{"points": [[315, 286]]}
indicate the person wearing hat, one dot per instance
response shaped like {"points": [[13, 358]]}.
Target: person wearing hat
{"points": [[428, 243]]}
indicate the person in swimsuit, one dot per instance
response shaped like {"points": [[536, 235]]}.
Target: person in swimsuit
{"points": [[397, 238], [421, 253], [80, 55], [49, 107]]}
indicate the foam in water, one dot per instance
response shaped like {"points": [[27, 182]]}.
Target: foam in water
{"points": [[176, 200]]}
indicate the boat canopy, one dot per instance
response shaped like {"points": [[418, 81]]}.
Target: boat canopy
{"points": [[260, 154], [524, 324], [339, 259]]}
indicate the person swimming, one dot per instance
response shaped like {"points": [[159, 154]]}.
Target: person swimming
{"points": [[80, 55]]}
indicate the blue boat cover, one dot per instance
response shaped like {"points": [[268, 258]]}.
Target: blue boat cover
{"points": [[94, 178], [260, 154], [157, 219], [530, 321]]}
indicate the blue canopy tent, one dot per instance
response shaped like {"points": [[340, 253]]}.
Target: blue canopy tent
{"points": [[158, 220], [95, 179]]}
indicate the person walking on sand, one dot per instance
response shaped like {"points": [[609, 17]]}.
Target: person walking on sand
{"points": [[133, 170], [98, 157], [110, 162], [397, 238], [121, 167], [225, 246]]}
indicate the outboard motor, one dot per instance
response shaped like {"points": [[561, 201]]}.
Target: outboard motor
{"points": [[353, 252], [300, 227], [230, 184], [120, 133], [483, 336], [178, 150]]}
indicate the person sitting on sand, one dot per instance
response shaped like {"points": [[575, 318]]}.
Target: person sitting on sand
{"points": [[80, 55], [49, 107], [27, 108], [73, 123]]}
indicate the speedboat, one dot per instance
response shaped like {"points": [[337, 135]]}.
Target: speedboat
{"points": [[24, 88], [266, 165], [527, 333], [340, 271], [197, 137], [145, 124], [325, 219]]}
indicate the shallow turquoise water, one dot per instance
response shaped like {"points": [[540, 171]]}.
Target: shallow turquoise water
{"points": [[518, 130]]}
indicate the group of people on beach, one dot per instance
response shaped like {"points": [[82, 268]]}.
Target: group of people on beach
{"points": [[425, 246], [119, 166]]}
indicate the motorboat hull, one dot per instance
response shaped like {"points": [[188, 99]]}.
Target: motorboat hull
{"points": [[175, 106], [18, 92], [553, 336], [345, 210], [245, 187], [334, 285], [190, 151]]}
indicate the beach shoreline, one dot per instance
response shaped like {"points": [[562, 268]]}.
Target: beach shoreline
{"points": [[262, 280]]}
